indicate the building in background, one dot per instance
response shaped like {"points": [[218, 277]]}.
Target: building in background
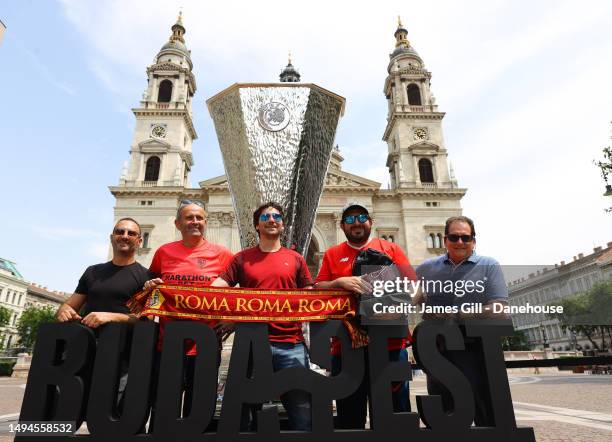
{"points": [[39, 296], [16, 294], [552, 284], [13, 292], [422, 193]]}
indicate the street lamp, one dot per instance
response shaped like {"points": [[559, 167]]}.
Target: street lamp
{"points": [[544, 340]]}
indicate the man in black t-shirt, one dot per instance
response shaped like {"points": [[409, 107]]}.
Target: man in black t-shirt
{"points": [[104, 289]]}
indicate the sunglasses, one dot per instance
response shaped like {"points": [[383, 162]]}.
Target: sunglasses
{"points": [[362, 218], [188, 202], [275, 216], [463, 238], [121, 232]]}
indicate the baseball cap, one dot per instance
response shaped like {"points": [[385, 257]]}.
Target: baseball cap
{"points": [[354, 204]]}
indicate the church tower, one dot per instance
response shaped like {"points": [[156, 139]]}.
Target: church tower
{"points": [[161, 148], [417, 158], [160, 160]]}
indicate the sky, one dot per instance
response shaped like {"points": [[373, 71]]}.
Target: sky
{"points": [[526, 87]]}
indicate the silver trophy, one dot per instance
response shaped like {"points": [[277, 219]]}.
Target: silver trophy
{"points": [[276, 141]]}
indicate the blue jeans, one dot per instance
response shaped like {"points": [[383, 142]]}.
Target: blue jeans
{"points": [[352, 410], [296, 402]]}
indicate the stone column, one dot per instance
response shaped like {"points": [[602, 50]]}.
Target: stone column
{"points": [[212, 231]]}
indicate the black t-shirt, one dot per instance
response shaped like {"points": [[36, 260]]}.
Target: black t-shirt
{"points": [[108, 286]]}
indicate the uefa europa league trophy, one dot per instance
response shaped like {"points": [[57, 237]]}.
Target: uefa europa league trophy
{"points": [[276, 141]]}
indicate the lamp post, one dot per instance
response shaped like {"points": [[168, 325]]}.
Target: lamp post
{"points": [[544, 340]]}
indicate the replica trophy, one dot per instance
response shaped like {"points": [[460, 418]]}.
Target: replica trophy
{"points": [[276, 141]]}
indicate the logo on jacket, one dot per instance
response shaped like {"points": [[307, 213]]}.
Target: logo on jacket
{"points": [[345, 259], [201, 262]]}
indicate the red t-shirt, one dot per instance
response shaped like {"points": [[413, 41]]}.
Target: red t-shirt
{"points": [[199, 266], [283, 269], [338, 262]]}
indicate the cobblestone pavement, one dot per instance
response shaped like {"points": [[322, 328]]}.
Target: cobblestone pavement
{"points": [[560, 408]]}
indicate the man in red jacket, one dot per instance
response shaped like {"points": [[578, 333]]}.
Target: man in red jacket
{"points": [[337, 272]]}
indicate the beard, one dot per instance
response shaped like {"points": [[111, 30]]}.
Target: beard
{"points": [[357, 234], [124, 251]]}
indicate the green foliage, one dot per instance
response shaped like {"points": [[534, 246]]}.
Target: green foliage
{"points": [[517, 342], [589, 314], [5, 316], [605, 168], [31, 319], [6, 368]]}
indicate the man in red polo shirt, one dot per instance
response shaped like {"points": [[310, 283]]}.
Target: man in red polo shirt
{"points": [[269, 265], [191, 261], [337, 272]]}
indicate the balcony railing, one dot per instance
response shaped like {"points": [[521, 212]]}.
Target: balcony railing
{"points": [[429, 185]]}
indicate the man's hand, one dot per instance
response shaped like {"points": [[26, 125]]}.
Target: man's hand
{"points": [[151, 283], [224, 330], [66, 313], [96, 319], [354, 284]]}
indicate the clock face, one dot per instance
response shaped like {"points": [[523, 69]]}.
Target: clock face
{"points": [[420, 133], [158, 131]]}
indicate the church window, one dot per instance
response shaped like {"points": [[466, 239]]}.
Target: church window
{"points": [[430, 241], [414, 95], [152, 169], [426, 171], [165, 92], [438, 241]]}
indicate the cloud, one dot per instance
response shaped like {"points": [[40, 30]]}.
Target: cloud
{"points": [[525, 86], [98, 250]]}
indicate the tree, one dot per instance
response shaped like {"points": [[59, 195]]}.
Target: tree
{"points": [[605, 167], [31, 319], [516, 342], [5, 317], [589, 314]]}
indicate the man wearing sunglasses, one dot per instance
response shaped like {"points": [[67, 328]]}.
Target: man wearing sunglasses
{"points": [[269, 265], [337, 272], [104, 289], [464, 268], [191, 261]]}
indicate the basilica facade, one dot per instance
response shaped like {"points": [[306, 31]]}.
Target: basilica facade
{"points": [[423, 191]]}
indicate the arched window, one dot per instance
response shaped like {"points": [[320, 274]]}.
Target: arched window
{"points": [[152, 170], [430, 241], [165, 92], [439, 242], [414, 95], [426, 171]]}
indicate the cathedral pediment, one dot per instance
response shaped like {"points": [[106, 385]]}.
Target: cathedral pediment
{"points": [[336, 179], [217, 181], [341, 179], [154, 145]]}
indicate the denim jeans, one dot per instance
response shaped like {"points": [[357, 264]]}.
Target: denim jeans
{"points": [[296, 402], [352, 410]]}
